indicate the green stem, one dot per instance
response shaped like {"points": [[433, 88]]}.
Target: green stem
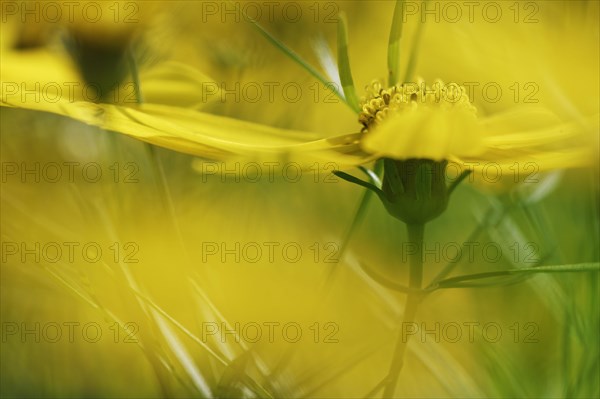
{"points": [[415, 237]]}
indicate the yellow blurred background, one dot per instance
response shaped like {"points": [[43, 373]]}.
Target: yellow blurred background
{"points": [[172, 303]]}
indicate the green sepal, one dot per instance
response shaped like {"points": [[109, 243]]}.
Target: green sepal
{"points": [[423, 181]]}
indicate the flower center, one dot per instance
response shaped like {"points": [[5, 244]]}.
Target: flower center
{"points": [[380, 102]]}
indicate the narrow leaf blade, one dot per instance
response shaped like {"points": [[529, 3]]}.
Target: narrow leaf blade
{"points": [[296, 58], [344, 64], [360, 212], [394, 43], [460, 280], [356, 180], [414, 51]]}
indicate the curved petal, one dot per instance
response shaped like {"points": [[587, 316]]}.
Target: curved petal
{"points": [[537, 136], [525, 142], [426, 132], [176, 84], [37, 68], [217, 137], [44, 81]]}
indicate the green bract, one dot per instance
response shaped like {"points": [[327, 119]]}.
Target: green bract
{"points": [[414, 190]]}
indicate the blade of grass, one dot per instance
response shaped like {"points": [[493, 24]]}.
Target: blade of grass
{"points": [[360, 212], [356, 180], [98, 207], [507, 380], [438, 359], [481, 226], [155, 356], [384, 281], [326, 59], [414, 50], [183, 356], [346, 367], [416, 234], [181, 327], [372, 175], [295, 57], [394, 43], [129, 287], [579, 267], [135, 76], [225, 347], [156, 160], [344, 64], [235, 377]]}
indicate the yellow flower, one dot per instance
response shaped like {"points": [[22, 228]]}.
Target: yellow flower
{"points": [[413, 120], [419, 126]]}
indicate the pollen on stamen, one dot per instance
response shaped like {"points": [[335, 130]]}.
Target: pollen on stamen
{"points": [[379, 103]]}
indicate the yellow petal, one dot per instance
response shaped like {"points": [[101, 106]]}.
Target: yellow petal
{"points": [[218, 137], [40, 80], [173, 83], [526, 141], [426, 132], [537, 136], [31, 78]]}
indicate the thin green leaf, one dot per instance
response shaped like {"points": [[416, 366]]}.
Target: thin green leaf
{"points": [[384, 281], [229, 385], [155, 159], [380, 385], [183, 356], [356, 180], [501, 281], [296, 58], [135, 76], [371, 175], [414, 51], [578, 267], [180, 326], [490, 217], [394, 43], [458, 281], [360, 212], [328, 375], [344, 64]]}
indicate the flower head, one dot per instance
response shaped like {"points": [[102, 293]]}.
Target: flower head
{"points": [[416, 120], [407, 120]]}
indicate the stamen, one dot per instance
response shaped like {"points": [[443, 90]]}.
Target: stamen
{"points": [[379, 103]]}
